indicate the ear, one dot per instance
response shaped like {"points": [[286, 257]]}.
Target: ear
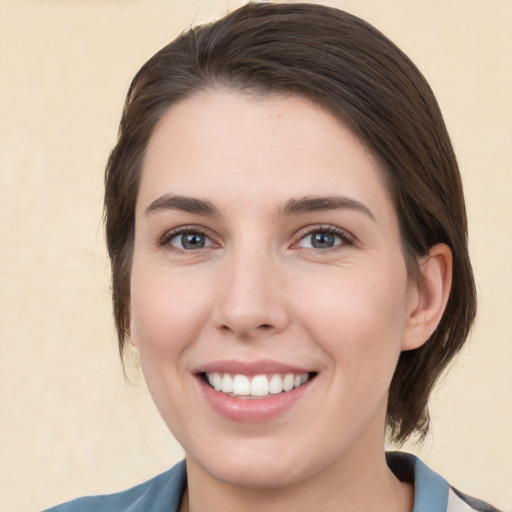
{"points": [[429, 297]]}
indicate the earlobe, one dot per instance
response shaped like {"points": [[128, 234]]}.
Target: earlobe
{"points": [[431, 296]]}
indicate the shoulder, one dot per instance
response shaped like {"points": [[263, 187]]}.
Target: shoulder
{"points": [[163, 492], [432, 493]]}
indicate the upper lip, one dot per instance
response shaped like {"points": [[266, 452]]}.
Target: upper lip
{"points": [[249, 368]]}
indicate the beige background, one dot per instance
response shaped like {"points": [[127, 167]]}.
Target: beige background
{"points": [[69, 424]]}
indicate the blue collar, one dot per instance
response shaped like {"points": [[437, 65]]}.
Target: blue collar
{"points": [[430, 489]]}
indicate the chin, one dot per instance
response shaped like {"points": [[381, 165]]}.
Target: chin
{"points": [[261, 467], [257, 475]]}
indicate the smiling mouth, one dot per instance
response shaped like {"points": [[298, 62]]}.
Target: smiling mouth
{"points": [[256, 386]]}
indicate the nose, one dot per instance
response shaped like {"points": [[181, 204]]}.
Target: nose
{"points": [[250, 299]]}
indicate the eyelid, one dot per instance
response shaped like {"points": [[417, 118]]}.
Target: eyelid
{"points": [[347, 239], [165, 239]]}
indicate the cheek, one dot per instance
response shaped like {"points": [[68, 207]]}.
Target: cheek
{"points": [[166, 317], [358, 316], [166, 310]]}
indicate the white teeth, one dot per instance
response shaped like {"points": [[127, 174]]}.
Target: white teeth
{"points": [[241, 385], [216, 381], [276, 384], [256, 386], [288, 382], [227, 383], [259, 385]]}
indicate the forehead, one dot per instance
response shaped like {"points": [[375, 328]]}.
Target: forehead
{"points": [[254, 149]]}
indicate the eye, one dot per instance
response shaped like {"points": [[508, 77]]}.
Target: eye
{"points": [[189, 240], [324, 238]]}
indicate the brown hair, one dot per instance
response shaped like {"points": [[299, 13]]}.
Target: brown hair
{"points": [[347, 66]]}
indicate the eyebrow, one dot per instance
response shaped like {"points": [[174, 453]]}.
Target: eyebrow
{"points": [[310, 204], [307, 204], [183, 203]]}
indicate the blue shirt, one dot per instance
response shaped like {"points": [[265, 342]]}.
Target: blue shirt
{"points": [[432, 493]]}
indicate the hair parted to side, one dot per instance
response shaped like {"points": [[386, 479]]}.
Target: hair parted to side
{"points": [[345, 65]]}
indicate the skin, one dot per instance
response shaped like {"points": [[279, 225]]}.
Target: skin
{"points": [[259, 290]]}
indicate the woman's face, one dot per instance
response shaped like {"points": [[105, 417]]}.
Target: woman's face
{"points": [[269, 294]]}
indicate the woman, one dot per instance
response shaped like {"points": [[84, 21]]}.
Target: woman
{"points": [[287, 231]]}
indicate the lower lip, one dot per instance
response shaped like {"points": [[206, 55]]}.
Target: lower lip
{"points": [[256, 410]]}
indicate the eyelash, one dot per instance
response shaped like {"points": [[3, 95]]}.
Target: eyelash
{"points": [[167, 238], [346, 239]]}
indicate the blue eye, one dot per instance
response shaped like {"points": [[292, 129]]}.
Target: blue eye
{"points": [[190, 241], [321, 239]]}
